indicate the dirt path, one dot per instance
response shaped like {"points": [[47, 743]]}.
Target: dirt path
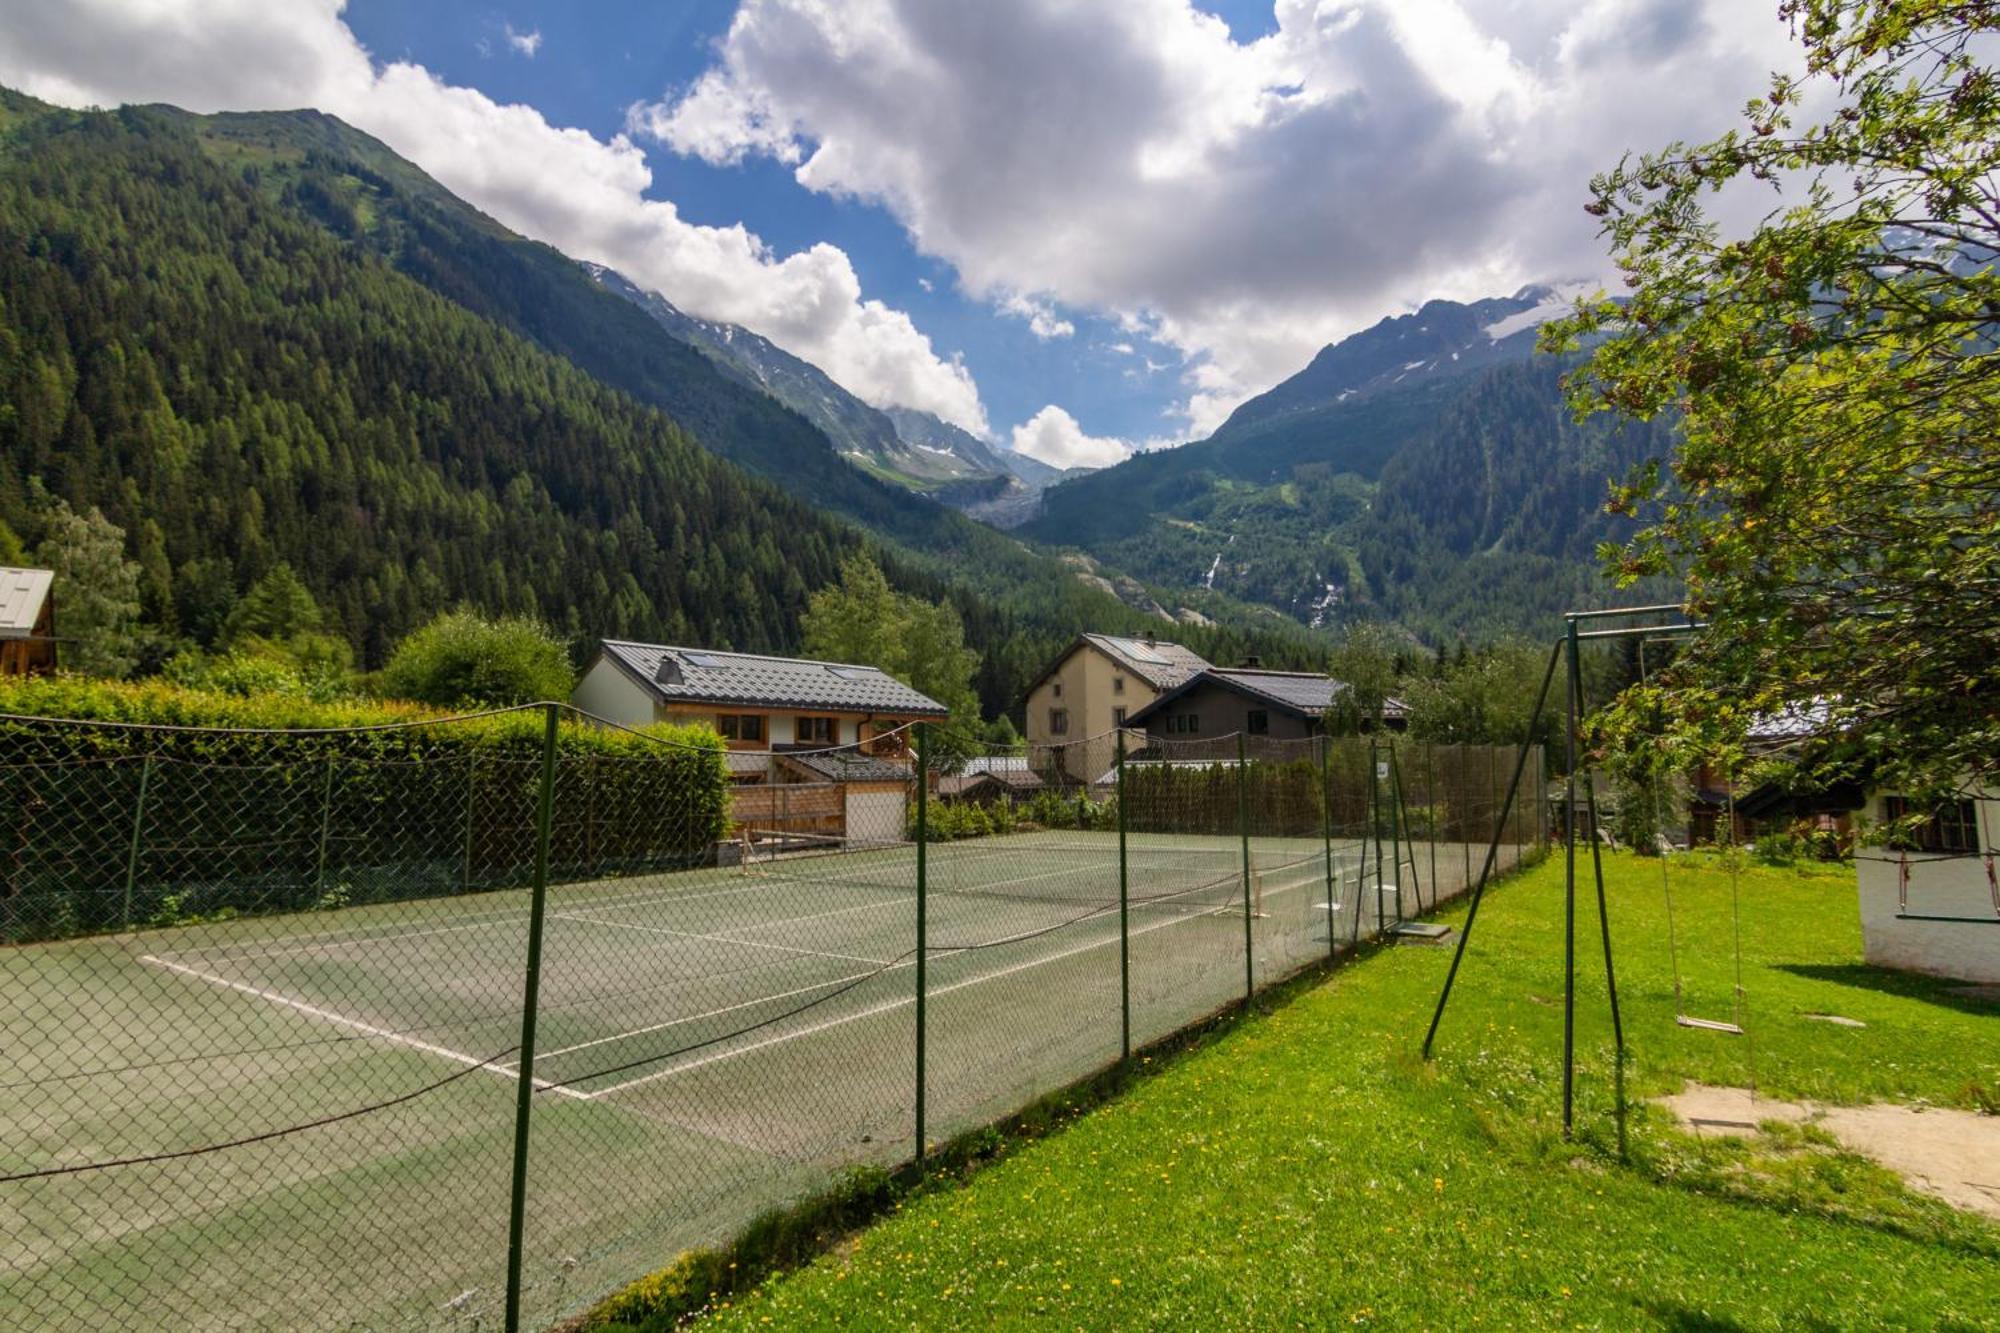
{"points": [[1954, 1155]]}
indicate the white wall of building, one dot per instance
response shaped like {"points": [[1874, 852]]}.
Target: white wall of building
{"points": [[606, 691], [1892, 931]]}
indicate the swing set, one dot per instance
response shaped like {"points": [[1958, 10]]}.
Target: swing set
{"points": [[1655, 623]]}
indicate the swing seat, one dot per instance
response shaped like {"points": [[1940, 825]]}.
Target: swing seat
{"points": [[1708, 1024]]}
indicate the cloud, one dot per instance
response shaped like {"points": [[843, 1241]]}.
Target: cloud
{"points": [[1043, 321], [1242, 202], [1053, 436], [579, 193], [527, 43]]}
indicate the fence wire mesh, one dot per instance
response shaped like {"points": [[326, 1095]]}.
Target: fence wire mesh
{"points": [[264, 997]]}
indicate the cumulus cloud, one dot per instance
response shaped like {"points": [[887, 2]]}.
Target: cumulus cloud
{"points": [[1243, 202], [579, 193], [1053, 436], [1043, 321], [527, 43]]}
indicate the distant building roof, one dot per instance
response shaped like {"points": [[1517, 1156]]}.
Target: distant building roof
{"points": [[22, 593], [1160, 664], [697, 675], [845, 764], [1014, 784], [1304, 693]]}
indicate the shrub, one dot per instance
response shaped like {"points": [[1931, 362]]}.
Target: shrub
{"points": [[418, 804], [462, 658]]}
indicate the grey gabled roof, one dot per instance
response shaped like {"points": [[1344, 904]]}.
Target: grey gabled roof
{"points": [[696, 675], [22, 592], [1160, 664], [1306, 693], [846, 765]]}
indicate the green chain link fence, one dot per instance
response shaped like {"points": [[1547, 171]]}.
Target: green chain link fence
{"points": [[466, 1023]]}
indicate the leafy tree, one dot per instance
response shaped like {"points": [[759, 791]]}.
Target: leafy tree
{"points": [[1486, 697], [1835, 505], [922, 644], [463, 658], [12, 550], [96, 587], [1000, 733], [1365, 663]]}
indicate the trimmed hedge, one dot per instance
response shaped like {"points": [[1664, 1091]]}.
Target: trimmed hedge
{"points": [[264, 819]]}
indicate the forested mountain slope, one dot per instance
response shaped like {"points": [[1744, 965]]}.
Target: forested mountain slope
{"points": [[1425, 470], [194, 340]]}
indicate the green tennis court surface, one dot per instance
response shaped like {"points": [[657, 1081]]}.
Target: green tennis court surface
{"points": [[710, 1043]]}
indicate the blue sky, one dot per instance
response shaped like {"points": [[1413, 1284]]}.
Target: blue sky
{"points": [[594, 61], [1078, 227]]}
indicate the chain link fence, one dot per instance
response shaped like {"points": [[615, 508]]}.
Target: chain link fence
{"points": [[463, 1024]]}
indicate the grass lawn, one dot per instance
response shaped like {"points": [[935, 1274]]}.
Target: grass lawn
{"points": [[1308, 1169]]}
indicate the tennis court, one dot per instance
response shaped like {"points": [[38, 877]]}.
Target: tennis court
{"points": [[308, 1116]]}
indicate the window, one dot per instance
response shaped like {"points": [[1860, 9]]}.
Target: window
{"points": [[1059, 722], [816, 730], [1194, 724], [1055, 689], [1258, 723], [1118, 684], [706, 661], [1187, 724], [741, 726], [1953, 827], [1118, 716]]}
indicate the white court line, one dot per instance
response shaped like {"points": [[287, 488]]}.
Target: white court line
{"points": [[889, 1005], [717, 939], [336, 939], [327, 1015], [696, 1018]]}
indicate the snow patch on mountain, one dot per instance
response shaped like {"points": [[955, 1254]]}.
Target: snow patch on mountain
{"points": [[1553, 301]]}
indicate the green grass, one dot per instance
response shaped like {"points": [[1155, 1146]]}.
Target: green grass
{"points": [[1307, 1168]]}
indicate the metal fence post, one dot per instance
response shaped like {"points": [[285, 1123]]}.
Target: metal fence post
{"points": [[1124, 908], [923, 923], [1569, 891], [531, 987], [325, 826], [1243, 833], [132, 851], [1431, 817], [1459, 821], [1326, 831], [1375, 823], [471, 804], [1398, 840]]}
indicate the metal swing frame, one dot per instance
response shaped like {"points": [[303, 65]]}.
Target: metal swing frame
{"points": [[1661, 621]]}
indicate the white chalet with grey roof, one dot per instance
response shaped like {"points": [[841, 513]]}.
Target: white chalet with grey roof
{"points": [[815, 748], [755, 701]]}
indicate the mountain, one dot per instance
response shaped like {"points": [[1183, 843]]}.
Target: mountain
{"points": [[1009, 491], [898, 444], [1440, 341], [864, 435], [1424, 470], [253, 339], [925, 430]]}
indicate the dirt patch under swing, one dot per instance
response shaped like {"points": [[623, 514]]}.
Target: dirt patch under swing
{"points": [[1954, 1155]]}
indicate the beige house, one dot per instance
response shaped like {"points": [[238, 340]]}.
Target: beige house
{"points": [[1933, 904], [814, 747], [1093, 688]]}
